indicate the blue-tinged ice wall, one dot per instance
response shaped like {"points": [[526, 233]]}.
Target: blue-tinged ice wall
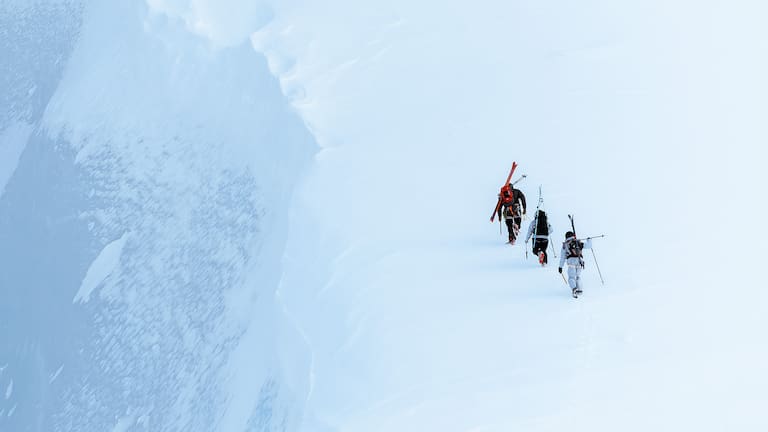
{"points": [[44, 247], [142, 227]]}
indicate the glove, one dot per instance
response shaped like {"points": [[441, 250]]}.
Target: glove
{"points": [[559, 269]]}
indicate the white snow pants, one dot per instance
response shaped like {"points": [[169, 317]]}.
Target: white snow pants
{"points": [[574, 273]]}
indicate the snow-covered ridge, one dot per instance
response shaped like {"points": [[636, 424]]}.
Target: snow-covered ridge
{"points": [[224, 23]]}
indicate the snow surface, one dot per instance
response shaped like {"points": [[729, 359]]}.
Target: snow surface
{"points": [[55, 374], [100, 269], [308, 186], [12, 142], [426, 321]]}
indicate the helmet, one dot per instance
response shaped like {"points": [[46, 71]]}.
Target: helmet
{"points": [[569, 234]]}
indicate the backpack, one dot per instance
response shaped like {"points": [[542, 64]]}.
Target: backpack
{"points": [[574, 248], [541, 224], [506, 195]]}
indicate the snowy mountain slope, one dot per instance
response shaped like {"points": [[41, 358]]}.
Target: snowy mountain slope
{"points": [[264, 283], [422, 322]]}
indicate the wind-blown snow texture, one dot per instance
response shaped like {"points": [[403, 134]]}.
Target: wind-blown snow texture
{"points": [[188, 155], [256, 215]]}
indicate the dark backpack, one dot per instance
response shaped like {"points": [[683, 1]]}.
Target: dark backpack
{"points": [[541, 224], [574, 248]]}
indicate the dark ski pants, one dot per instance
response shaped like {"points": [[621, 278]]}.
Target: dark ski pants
{"points": [[513, 225], [540, 245]]}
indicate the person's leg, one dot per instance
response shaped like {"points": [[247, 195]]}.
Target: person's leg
{"points": [[578, 279], [510, 229], [573, 274], [537, 250]]}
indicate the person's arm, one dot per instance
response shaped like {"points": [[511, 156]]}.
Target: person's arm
{"points": [[587, 244], [563, 253], [525, 207], [530, 230]]}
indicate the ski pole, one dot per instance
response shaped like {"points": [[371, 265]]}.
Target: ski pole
{"points": [[598, 267], [564, 281], [526, 250], [552, 245]]}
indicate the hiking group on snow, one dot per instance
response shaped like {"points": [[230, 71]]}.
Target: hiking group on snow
{"points": [[512, 206]]}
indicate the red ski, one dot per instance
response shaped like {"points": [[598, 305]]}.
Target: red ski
{"points": [[498, 203]]}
